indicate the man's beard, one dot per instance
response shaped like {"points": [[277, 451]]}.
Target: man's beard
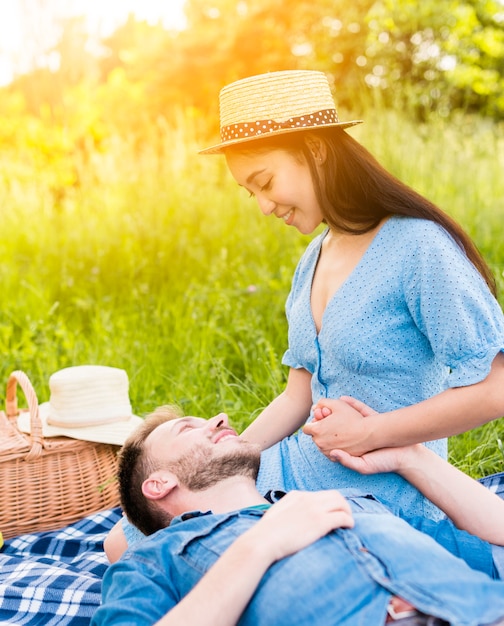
{"points": [[202, 466]]}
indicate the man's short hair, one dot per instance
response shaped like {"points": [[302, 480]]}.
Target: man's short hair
{"points": [[135, 467]]}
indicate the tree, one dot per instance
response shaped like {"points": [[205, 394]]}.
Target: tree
{"points": [[445, 54]]}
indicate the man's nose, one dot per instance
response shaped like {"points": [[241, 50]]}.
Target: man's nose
{"points": [[266, 205], [218, 421]]}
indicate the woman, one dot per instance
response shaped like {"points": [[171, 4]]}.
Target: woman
{"points": [[392, 304]]}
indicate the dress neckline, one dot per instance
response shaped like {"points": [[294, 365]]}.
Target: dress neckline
{"points": [[360, 263]]}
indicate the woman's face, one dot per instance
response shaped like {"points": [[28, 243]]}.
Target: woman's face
{"points": [[281, 183]]}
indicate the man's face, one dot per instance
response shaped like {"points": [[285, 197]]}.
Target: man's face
{"points": [[202, 452]]}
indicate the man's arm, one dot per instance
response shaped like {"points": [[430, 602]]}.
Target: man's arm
{"points": [[470, 505], [115, 543], [220, 597]]}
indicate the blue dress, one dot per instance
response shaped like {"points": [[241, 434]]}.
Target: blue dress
{"points": [[413, 318]]}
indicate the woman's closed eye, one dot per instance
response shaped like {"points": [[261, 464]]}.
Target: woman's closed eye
{"points": [[265, 187]]}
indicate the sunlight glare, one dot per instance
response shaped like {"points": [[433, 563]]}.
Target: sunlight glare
{"points": [[26, 23], [110, 13]]}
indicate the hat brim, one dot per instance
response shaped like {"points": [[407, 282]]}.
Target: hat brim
{"points": [[221, 147], [114, 433]]}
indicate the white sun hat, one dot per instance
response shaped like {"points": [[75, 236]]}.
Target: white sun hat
{"points": [[88, 402], [274, 104]]}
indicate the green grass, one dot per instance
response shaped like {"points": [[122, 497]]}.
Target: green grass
{"points": [[157, 263]]}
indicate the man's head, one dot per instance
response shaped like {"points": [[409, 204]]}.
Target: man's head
{"points": [[168, 454]]}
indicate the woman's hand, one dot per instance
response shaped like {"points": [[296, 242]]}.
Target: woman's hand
{"points": [[376, 461], [342, 424]]}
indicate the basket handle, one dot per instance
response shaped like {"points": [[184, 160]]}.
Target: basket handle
{"points": [[19, 377]]}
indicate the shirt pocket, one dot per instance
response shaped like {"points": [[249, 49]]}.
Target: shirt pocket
{"points": [[205, 547], [367, 503]]}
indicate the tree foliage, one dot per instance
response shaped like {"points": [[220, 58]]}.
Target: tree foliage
{"points": [[445, 54], [434, 56]]}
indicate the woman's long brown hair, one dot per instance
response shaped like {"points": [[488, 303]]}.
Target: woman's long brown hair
{"points": [[356, 192]]}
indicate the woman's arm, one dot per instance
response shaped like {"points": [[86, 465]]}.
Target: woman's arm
{"points": [[285, 414], [449, 413]]}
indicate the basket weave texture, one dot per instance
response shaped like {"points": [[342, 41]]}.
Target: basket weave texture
{"points": [[50, 482]]}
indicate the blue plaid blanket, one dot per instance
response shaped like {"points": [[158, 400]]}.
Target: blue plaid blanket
{"points": [[495, 483], [54, 578]]}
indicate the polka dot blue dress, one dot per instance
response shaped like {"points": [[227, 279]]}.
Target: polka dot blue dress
{"points": [[413, 318]]}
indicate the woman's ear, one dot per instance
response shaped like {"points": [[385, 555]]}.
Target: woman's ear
{"points": [[317, 147], [159, 484]]}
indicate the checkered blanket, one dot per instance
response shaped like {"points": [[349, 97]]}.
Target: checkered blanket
{"points": [[54, 578], [495, 483]]}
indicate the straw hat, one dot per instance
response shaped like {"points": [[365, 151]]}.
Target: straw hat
{"points": [[88, 402], [274, 104]]}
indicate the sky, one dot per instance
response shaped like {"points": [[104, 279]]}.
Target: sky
{"points": [[22, 22]]}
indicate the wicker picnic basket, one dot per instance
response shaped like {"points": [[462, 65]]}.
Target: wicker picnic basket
{"points": [[49, 482]]}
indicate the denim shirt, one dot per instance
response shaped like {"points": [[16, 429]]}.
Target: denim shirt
{"points": [[345, 578]]}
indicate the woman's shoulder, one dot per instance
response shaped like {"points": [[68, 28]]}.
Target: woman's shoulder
{"points": [[415, 232], [414, 226]]}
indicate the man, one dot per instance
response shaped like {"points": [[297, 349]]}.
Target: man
{"points": [[311, 558]]}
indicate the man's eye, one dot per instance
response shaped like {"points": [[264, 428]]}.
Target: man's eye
{"points": [[267, 185], [184, 428]]}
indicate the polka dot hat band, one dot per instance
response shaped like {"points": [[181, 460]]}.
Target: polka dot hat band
{"points": [[275, 103]]}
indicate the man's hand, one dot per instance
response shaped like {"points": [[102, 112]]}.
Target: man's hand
{"points": [[299, 519], [379, 461]]}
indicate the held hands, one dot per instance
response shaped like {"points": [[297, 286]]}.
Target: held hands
{"points": [[300, 518], [341, 424], [373, 462]]}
